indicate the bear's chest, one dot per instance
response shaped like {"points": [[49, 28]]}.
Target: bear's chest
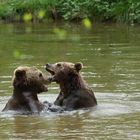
{"points": [[69, 101]]}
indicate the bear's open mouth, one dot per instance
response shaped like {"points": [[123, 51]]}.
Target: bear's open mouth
{"points": [[50, 71]]}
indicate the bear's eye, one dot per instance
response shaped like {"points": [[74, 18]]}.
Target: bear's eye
{"points": [[59, 65], [40, 75]]}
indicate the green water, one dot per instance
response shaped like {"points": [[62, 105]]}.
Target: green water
{"points": [[111, 58]]}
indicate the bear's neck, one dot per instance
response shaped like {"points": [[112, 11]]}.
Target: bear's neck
{"points": [[70, 85], [22, 96]]}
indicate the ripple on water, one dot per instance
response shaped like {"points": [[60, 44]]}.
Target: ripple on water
{"points": [[116, 115], [109, 104]]}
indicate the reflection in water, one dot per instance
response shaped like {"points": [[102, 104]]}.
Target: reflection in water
{"points": [[110, 54], [115, 115]]}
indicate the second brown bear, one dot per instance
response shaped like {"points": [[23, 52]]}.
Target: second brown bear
{"points": [[74, 92]]}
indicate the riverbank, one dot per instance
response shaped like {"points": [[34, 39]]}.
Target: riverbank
{"points": [[70, 10]]}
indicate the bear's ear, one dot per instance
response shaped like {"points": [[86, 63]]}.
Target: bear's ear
{"points": [[78, 66], [19, 79], [20, 73]]}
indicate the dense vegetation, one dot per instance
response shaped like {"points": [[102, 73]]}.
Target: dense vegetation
{"points": [[96, 10]]}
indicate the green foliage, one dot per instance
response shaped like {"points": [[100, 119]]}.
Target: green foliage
{"points": [[127, 11], [27, 17], [72, 9], [87, 23], [37, 8], [101, 10], [41, 14]]}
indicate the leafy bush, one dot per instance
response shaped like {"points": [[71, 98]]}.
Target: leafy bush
{"points": [[101, 10], [72, 9]]}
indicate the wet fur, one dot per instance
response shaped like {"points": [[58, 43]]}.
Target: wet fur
{"points": [[27, 84], [74, 92]]}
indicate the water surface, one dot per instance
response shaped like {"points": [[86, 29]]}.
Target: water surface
{"points": [[111, 58]]}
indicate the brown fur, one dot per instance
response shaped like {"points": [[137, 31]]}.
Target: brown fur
{"points": [[74, 92], [27, 83]]}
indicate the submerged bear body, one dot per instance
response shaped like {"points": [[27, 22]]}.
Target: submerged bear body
{"points": [[76, 100]]}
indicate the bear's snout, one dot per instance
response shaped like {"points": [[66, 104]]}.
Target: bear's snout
{"points": [[47, 65], [49, 68]]}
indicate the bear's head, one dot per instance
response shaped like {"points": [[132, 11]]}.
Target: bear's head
{"points": [[29, 79], [64, 72]]}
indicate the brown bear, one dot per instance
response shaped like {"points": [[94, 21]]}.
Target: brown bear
{"points": [[74, 92], [27, 83]]}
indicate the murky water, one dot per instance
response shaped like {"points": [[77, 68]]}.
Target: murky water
{"points": [[111, 56]]}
